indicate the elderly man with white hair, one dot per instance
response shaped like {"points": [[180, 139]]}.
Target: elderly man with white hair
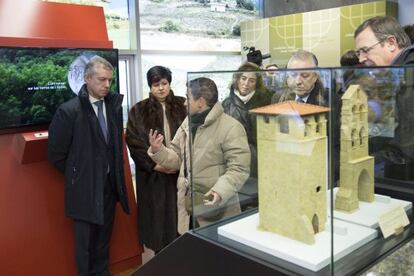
{"points": [[303, 86]]}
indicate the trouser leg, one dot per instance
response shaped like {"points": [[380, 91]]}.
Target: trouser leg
{"points": [[82, 246], [103, 233]]}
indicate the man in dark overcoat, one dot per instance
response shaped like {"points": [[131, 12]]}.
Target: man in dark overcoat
{"points": [[85, 144], [381, 41]]}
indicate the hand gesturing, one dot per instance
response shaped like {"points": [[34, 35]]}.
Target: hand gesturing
{"points": [[155, 140]]}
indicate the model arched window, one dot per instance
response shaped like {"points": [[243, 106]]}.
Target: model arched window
{"points": [[354, 137], [361, 112], [317, 121], [306, 130], [361, 135]]}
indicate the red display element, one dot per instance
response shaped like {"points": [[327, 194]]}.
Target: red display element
{"points": [[36, 237], [30, 147], [49, 24]]}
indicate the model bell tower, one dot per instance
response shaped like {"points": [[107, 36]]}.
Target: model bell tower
{"points": [[292, 169], [356, 166]]}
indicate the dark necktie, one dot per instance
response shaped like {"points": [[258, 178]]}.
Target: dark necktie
{"points": [[300, 100], [101, 119]]}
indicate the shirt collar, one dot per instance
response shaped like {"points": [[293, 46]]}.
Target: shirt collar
{"points": [[93, 99]]}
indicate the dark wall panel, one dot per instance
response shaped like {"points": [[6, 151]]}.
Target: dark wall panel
{"points": [[283, 7]]}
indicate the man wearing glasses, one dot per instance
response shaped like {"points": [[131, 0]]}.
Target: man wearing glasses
{"points": [[381, 41]]}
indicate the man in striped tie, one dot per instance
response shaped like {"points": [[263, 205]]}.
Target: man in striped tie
{"points": [[85, 143]]}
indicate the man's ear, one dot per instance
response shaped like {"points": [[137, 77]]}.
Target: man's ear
{"points": [[202, 102], [391, 43]]}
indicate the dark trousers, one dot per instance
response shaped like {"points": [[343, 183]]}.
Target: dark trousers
{"points": [[92, 240]]}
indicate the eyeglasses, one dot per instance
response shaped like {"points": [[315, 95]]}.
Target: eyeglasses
{"points": [[365, 50]]}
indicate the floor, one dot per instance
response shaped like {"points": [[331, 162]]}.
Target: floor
{"points": [[146, 256], [399, 263], [127, 273]]}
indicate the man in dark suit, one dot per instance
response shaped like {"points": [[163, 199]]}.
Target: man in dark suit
{"points": [[85, 143], [304, 85]]}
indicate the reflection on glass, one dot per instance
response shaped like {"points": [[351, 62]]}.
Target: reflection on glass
{"points": [[325, 178], [181, 64]]}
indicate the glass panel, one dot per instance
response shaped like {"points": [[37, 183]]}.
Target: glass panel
{"points": [[325, 174], [272, 184], [376, 163]]}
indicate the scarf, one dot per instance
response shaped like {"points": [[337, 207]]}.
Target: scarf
{"points": [[197, 119], [244, 98]]}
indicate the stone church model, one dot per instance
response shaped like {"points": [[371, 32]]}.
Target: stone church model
{"points": [[292, 167], [356, 166]]}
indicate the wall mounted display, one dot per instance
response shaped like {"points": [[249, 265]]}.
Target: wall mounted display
{"points": [[35, 81]]}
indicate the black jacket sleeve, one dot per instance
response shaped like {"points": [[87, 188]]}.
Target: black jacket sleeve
{"points": [[60, 138]]}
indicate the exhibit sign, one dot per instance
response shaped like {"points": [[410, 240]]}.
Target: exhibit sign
{"points": [[393, 222]]}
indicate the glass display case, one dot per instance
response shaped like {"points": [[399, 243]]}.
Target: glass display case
{"points": [[308, 171]]}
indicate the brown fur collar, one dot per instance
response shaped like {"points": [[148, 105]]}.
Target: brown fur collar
{"points": [[152, 116]]}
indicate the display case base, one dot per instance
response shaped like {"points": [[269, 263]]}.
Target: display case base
{"points": [[313, 257], [192, 254], [368, 213]]}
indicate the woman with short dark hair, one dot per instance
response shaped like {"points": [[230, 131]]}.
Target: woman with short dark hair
{"points": [[156, 188]]}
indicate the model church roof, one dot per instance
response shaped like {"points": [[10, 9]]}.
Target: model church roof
{"points": [[289, 108], [352, 90]]}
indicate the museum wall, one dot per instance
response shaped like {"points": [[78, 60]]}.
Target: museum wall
{"points": [[328, 33], [282, 7], [405, 12]]}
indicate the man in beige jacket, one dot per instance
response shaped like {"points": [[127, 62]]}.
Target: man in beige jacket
{"points": [[220, 160]]}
